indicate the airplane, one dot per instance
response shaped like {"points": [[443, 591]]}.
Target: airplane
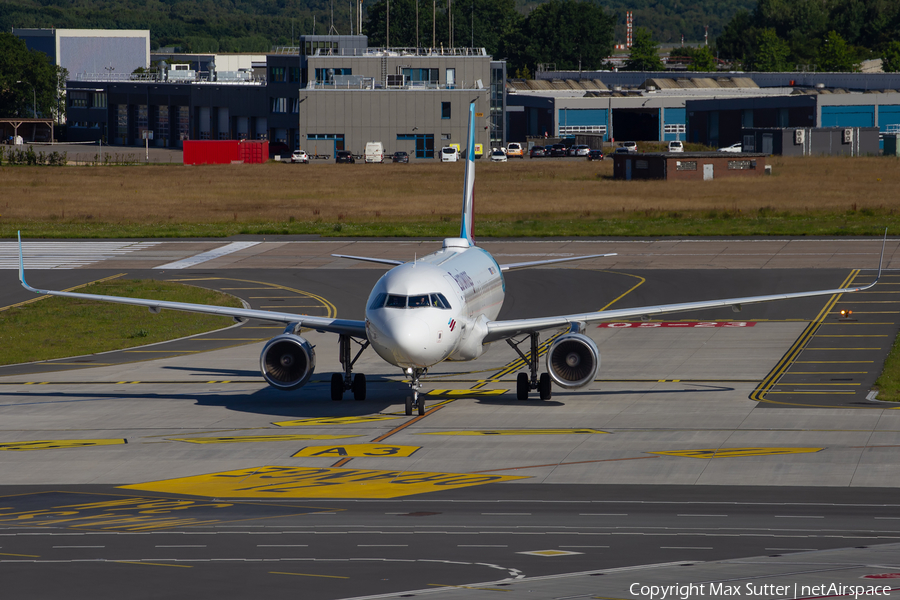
{"points": [[443, 306]]}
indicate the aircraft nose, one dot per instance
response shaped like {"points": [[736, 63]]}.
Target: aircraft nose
{"points": [[409, 339]]}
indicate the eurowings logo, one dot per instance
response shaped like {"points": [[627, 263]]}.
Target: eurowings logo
{"points": [[452, 324]]}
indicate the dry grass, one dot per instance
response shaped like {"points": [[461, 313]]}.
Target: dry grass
{"points": [[428, 192]]}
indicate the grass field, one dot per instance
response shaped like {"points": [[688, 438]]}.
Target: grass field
{"points": [[805, 196], [54, 327]]}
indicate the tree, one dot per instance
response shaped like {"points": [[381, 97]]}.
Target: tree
{"points": [[570, 33], [836, 55], [703, 60], [644, 53], [736, 42], [890, 57], [27, 80], [770, 52]]}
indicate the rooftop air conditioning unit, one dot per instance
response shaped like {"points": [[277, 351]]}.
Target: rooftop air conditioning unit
{"points": [[848, 136], [799, 136]]}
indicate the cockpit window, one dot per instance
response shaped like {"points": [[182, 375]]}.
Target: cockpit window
{"points": [[378, 302], [439, 301], [419, 301], [396, 301]]}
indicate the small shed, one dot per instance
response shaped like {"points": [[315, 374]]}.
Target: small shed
{"points": [[688, 165]]}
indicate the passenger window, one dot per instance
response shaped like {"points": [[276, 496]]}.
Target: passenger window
{"points": [[396, 301], [419, 301], [378, 302]]}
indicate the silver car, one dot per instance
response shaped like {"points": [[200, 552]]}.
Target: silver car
{"points": [[738, 147], [580, 150]]}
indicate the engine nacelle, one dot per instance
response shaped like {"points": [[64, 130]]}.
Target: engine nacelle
{"points": [[287, 361], [573, 360]]}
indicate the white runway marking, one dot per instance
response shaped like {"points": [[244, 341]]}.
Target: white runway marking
{"points": [[206, 256], [65, 255]]}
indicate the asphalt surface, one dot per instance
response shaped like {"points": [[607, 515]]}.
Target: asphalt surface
{"points": [[227, 496]]}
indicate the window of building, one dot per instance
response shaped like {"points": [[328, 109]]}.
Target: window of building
{"points": [[122, 122], [295, 105], [422, 75], [747, 118], [573, 129], [98, 100], [641, 164], [184, 123], [78, 99], [326, 75], [451, 78], [445, 136], [279, 105], [277, 74], [686, 165], [424, 143], [140, 121], [294, 74], [310, 48], [445, 110], [317, 147], [161, 131]]}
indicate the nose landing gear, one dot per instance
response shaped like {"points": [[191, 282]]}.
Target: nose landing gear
{"points": [[417, 400]]}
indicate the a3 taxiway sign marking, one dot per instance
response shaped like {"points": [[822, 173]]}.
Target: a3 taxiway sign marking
{"points": [[580, 431], [310, 482], [735, 452], [357, 451], [334, 421], [238, 439], [57, 444]]}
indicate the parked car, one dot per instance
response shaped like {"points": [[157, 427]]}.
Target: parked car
{"points": [[537, 151], [449, 154], [400, 157], [515, 150], [374, 152], [557, 150], [629, 146], [676, 146], [579, 150], [344, 156], [300, 156], [623, 150], [738, 147], [498, 155], [595, 155]]}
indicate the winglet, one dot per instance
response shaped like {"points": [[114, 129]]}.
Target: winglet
{"points": [[881, 260], [22, 268], [468, 209]]}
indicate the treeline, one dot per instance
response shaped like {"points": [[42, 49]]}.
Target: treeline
{"points": [[819, 35]]}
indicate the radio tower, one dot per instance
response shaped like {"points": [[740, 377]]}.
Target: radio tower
{"points": [[629, 27]]}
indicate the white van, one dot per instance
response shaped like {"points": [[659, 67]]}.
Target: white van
{"points": [[374, 152], [449, 154], [676, 146]]}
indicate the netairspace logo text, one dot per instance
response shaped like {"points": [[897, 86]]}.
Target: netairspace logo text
{"points": [[687, 591]]}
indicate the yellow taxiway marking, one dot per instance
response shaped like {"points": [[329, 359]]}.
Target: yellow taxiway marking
{"points": [[808, 348], [831, 362], [71, 289], [218, 339], [334, 421], [238, 439], [308, 575], [163, 351], [56, 444], [735, 452], [24, 555], [801, 384], [466, 392], [853, 336], [516, 432], [815, 393], [308, 482], [135, 562], [826, 373], [290, 306], [357, 451], [550, 553]]}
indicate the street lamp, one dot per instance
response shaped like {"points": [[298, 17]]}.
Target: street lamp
{"points": [[34, 98]]}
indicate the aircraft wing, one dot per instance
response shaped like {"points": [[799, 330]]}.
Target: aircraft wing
{"points": [[535, 263], [340, 326], [383, 261], [499, 330]]}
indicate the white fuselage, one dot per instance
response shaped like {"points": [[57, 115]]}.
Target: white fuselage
{"points": [[435, 308]]}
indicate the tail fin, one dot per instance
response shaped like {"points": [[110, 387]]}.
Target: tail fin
{"points": [[468, 209]]}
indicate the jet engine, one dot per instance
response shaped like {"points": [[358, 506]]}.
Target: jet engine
{"points": [[287, 361], [573, 360]]}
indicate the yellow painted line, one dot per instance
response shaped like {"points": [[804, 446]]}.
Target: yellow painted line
{"points": [[245, 288], [57, 444], [306, 482], [334, 421], [831, 362], [466, 392], [245, 439], [262, 327], [550, 553], [816, 393], [872, 312], [163, 351], [735, 452], [830, 335], [290, 306], [275, 297], [308, 575], [839, 322], [869, 302], [813, 348], [581, 431], [134, 562], [357, 451], [805, 384], [71, 289], [826, 373], [24, 555]]}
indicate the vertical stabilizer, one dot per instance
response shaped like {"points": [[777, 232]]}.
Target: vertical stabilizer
{"points": [[468, 210]]}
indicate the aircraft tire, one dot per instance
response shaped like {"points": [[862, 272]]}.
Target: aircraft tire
{"points": [[421, 405], [337, 387], [522, 386], [359, 387], [544, 386], [408, 405]]}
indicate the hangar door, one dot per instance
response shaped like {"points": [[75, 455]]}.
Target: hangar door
{"points": [[848, 116], [638, 124]]}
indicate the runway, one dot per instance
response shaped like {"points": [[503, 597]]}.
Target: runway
{"points": [[704, 438]]}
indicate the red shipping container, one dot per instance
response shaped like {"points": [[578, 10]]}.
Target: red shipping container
{"points": [[224, 152], [254, 151]]}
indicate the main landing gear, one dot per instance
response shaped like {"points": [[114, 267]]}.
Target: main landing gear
{"points": [[417, 400], [524, 383], [346, 381]]}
